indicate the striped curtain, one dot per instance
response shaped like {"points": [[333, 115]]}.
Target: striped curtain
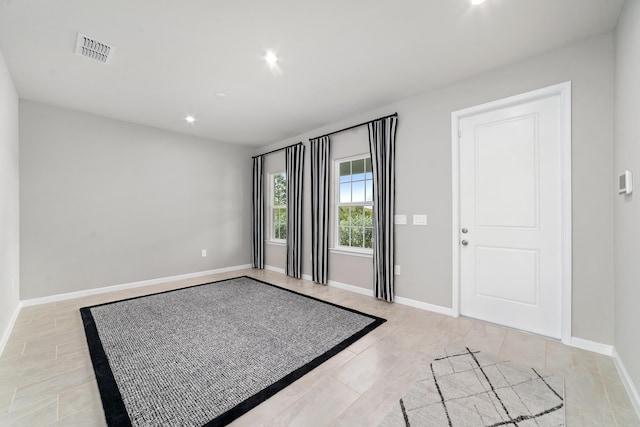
{"points": [[382, 136], [320, 182], [294, 167], [257, 215]]}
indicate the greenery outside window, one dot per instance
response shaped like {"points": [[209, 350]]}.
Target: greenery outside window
{"points": [[278, 206], [354, 229]]}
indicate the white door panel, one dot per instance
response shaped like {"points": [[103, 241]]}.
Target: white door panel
{"points": [[510, 205]]}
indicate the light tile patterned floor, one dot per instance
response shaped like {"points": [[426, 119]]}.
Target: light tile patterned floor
{"points": [[46, 376]]}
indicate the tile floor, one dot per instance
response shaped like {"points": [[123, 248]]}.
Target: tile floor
{"points": [[46, 376]]}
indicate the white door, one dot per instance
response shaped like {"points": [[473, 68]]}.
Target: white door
{"points": [[510, 215]]}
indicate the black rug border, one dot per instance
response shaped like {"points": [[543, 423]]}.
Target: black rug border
{"points": [[113, 404]]}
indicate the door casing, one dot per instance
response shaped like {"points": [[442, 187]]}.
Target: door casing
{"points": [[563, 90]]}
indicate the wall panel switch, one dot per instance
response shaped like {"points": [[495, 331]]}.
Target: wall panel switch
{"points": [[396, 270], [419, 220], [400, 219], [204, 253]]}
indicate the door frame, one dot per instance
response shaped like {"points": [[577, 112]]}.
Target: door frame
{"points": [[564, 91]]}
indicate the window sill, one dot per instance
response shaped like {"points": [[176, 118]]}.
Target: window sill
{"points": [[352, 252], [276, 242]]}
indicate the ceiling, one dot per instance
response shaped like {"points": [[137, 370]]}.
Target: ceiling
{"points": [[337, 58]]}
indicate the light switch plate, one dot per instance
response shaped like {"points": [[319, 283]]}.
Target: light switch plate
{"points": [[400, 219], [419, 220]]}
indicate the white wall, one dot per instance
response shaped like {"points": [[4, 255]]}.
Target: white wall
{"points": [[627, 208], [105, 202], [424, 179], [9, 201]]}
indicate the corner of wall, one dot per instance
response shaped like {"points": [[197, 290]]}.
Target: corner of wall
{"points": [[9, 204]]}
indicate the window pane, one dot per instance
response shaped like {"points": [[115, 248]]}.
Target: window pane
{"points": [[357, 170], [357, 166], [358, 192], [283, 231], [344, 236], [369, 192], [368, 216], [345, 178], [276, 231], [357, 237], [345, 193], [368, 238], [345, 169], [357, 216], [280, 189], [367, 166], [344, 216]]}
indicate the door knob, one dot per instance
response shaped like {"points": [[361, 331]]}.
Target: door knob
{"points": [[464, 243], [465, 231]]}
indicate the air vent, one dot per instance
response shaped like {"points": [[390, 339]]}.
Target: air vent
{"points": [[86, 46]]}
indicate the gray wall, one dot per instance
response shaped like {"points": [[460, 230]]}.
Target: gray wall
{"points": [[627, 208], [424, 179], [9, 201], [105, 202]]}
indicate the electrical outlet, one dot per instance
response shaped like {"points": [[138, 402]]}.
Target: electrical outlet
{"points": [[419, 220], [396, 270], [204, 253], [400, 219]]}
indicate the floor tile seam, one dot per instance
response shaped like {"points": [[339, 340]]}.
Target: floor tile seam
{"points": [[397, 359], [348, 386], [276, 414], [93, 403], [86, 408], [15, 390], [614, 407], [56, 377], [381, 380], [14, 354], [374, 342]]}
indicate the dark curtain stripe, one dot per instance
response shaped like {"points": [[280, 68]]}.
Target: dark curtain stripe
{"points": [[382, 135], [257, 215], [294, 168], [320, 182]]}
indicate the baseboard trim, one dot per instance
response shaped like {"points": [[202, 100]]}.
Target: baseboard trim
{"points": [[632, 391], [350, 288], [275, 269], [132, 285], [7, 332], [426, 306], [369, 292], [596, 347]]}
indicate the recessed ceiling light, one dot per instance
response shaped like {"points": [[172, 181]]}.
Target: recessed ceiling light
{"points": [[476, 2], [190, 119], [271, 58]]}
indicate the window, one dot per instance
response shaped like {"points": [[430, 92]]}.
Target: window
{"points": [[355, 204], [279, 206]]}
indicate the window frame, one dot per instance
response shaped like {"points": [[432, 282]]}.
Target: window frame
{"points": [[337, 247], [273, 206]]}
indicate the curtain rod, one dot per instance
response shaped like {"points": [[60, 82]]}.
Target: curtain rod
{"points": [[355, 126], [277, 149]]}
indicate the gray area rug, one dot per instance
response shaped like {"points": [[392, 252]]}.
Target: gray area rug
{"points": [[206, 354], [464, 387]]}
